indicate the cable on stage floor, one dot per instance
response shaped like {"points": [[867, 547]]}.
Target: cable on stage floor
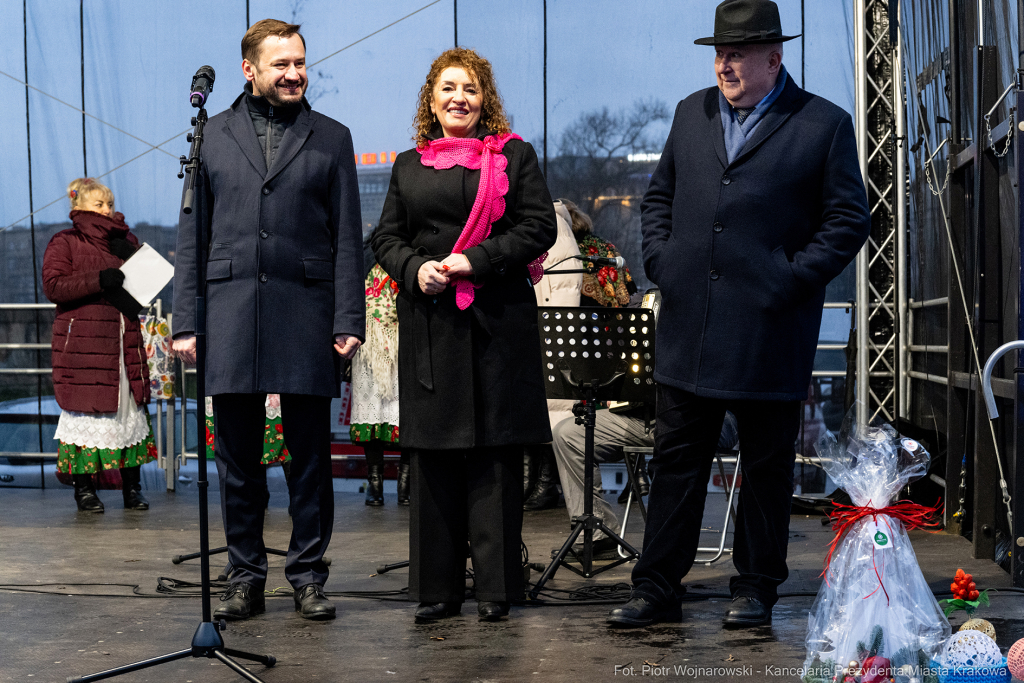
{"points": [[593, 594]]}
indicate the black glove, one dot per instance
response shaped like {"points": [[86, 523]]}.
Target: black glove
{"points": [[121, 248], [111, 278]]}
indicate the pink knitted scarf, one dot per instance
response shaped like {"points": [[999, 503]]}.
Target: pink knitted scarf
{"points": [[489, 206]]}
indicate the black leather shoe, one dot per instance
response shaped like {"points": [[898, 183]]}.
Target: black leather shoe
{"points": [[542, 498], [131, 489], [403, 484], [85, 494], [544, 495], [492, 611], [432, 611], [133, 500], [241, 601], [375, 486], [311, 603], [641, 612], [746, 611]]}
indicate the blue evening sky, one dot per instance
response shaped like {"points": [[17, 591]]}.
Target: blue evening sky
{"points": [[140, 56]]}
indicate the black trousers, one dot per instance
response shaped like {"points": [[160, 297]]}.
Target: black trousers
{"points": [[457, 496], [685, 439], [239, 425]]}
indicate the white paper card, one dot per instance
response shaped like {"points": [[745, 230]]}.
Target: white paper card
{"points": [[881, 536], [146, 273]]}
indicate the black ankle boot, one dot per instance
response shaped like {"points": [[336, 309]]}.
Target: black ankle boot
{"points": [[545, 495], [85, 493], [131, 489], [527, 472], [375, 485], [403, 483]]}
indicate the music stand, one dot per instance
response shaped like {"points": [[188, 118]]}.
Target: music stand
{"points": [[591, 355]]}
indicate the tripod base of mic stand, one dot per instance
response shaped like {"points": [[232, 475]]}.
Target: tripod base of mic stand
{"points": [[587, 570], [207, 642], [229, 568]]}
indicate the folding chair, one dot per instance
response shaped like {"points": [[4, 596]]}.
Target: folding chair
{"points": [[633, 455]]}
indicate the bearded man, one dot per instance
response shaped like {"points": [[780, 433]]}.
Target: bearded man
{"points": [[278, 200]]}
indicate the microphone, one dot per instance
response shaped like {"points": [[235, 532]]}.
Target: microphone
{"points": [[202, 86], [617, 262]]}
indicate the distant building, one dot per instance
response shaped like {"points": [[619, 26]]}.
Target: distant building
{"points": [[373, 188], [17, 275]]}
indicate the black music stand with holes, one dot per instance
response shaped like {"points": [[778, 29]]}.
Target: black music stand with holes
{"points": [[591, 355]]}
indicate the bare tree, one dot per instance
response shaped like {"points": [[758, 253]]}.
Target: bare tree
{"points": [[296, 6], [320, 85], [593, 170]]}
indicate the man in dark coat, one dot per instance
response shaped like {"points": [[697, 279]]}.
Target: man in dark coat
{"points": [[757, 203], [278, 198]]}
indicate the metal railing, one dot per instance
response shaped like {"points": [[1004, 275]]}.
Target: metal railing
{"points": [[158, 424], [913, 348], [173, 452]]}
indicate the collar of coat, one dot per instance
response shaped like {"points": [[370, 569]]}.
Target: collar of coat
{"points": [[240, 127], [97, 227], [790, 101]]}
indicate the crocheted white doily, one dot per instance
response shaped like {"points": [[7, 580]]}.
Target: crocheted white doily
{"points": [[970, 648]]}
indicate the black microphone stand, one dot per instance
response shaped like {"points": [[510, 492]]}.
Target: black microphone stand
{"points": [[207, 640], [549, 271]]}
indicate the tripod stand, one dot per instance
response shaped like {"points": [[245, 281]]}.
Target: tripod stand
{"points": [[605, 347], [207, 640], [229, 568]]}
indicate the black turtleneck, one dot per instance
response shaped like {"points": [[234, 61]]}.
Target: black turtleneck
{"points": [[270, 122]]}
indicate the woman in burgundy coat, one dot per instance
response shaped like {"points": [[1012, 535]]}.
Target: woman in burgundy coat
{"points": [[100, 376]]}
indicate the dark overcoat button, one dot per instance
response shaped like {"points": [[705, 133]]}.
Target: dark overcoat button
{"points": [[264, 234], [263, 277], [726, 180], [435, 230], [717, 227], [714, 274], [266, 190]]}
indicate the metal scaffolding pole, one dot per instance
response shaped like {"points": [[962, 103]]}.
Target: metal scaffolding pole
{"points": [[860, 98], [901, 206], [881, 288]]}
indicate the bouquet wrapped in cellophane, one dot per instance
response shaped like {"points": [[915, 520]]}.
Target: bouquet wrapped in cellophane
{"points": [[875, 617]]}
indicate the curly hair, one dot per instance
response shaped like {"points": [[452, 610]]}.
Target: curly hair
{"points": [[492, 115]]}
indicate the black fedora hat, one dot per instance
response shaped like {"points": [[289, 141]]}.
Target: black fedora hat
{"points": [[746, 22]]}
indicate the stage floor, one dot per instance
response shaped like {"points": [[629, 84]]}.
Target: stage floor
{"points": [[45, 543]]}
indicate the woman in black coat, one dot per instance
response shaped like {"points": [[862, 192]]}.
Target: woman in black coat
{"points": [[466, 222]]}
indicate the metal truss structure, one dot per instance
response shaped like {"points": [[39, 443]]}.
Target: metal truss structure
{"points": [[881, 274]]}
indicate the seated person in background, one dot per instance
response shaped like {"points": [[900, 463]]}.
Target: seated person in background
{"points": [[603, 285], [613, 429], [540, 478]]}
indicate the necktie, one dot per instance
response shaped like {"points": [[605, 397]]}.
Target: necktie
{"points": [[742, 114]]}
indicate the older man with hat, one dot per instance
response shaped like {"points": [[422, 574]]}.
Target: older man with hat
{"points": [[757, 203]]}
